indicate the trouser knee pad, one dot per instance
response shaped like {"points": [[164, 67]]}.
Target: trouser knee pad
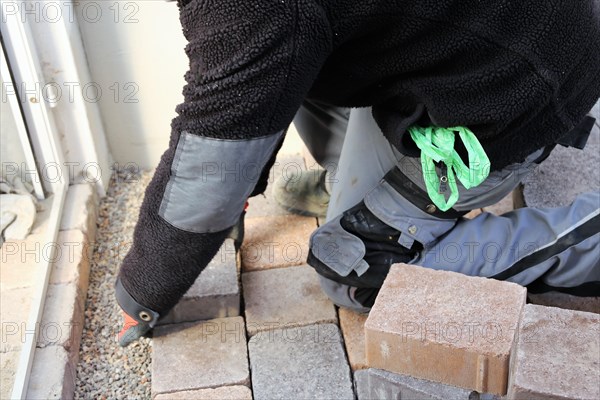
{"points": [[391, 225]]}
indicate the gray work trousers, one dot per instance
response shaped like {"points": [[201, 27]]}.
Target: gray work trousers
{"points": [[557, 248]]}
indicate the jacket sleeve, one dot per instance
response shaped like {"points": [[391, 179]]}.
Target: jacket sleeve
{"points": [[251, 65]]}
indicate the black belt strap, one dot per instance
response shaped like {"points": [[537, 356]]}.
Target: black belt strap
{"points": [[417, 196]]}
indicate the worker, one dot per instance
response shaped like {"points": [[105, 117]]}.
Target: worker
{"points": [[442, 107]]}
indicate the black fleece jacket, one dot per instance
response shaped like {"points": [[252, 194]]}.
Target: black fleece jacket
{"points": [[520, 74]]}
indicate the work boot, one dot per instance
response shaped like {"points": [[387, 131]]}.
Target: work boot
{"points": [[303, 193]]}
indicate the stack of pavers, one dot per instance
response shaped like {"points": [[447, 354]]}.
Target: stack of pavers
{"points": [[443, 335]]}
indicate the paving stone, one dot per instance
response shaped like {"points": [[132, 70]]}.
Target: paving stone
{"points": [[353, 329], [300, 363], [72, 259], [81, 210], [285, 297], [215, 294], [445, 327], [221, 393], [52, 374], [362, 387], [566, 173], [566, 301], [278, 241], [199, 355], [266, 205], [63, 318], [556, 355], [377, 384]]}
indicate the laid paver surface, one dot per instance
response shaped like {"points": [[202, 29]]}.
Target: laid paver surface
{"points": [[200, 355], [276, 241], [300, 363], [221, 393], [215, 294], [353, 329], [289, 343], [284, 298]]}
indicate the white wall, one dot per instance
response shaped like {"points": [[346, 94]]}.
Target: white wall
{"points": [[135, 52]]}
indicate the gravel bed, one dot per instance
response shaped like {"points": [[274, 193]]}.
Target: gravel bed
{"points": [[105, 370]]}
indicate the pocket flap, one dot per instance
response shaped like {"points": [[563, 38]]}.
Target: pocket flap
{"points": [[338, 249]]}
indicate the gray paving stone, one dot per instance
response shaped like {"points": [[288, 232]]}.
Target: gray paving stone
{"points": [[361, 385], [566, 301], [556, 355], [57, 353], [220, 393], [63, 318], [80, 210], [378, 384], [72, 259], [199, 355], [215, 294], [567, 173], [52, 374], [285, 297], [300, 363]]}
